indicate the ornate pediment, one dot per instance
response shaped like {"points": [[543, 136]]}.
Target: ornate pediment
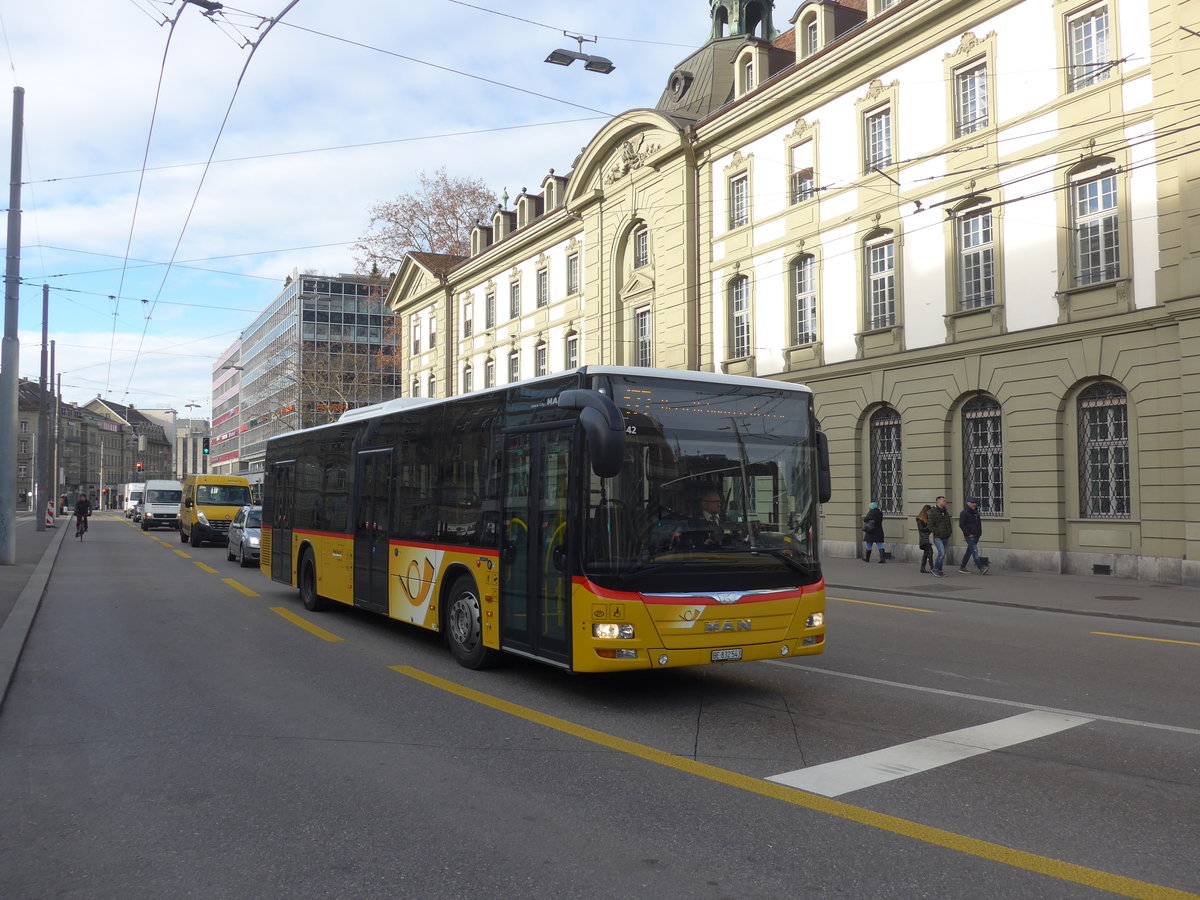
{"points": [[969, 42], [638, 283], [630, 158], [800, 131]]}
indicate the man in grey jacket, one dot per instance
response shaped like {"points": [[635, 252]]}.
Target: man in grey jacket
{"points": [[941, 526]]}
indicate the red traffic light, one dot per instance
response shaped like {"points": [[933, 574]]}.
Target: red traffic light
{"points": [[139, 467]]}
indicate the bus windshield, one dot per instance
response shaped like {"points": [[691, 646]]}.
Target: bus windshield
{"points": [[718, 488], [222, 495]]}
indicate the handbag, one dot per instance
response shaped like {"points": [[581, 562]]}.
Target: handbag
{"points": [[866, 527]]}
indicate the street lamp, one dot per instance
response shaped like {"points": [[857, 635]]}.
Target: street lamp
{"points": [[591, 63]]}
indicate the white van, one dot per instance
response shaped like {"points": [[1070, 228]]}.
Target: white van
{"points": [[160, 504], [133, 496]]}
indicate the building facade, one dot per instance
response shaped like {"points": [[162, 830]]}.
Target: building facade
{"points": [[966, 225], [324, 345]]}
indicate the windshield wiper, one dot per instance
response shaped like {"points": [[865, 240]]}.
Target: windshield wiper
{"points": [[802, 566]]}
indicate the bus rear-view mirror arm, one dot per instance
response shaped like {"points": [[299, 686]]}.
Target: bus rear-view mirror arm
{"points": [[824, 478], [603, 425]]}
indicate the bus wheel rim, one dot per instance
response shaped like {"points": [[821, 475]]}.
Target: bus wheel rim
{"points": [[464, 620]]}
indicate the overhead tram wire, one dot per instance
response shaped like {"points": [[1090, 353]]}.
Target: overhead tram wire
{"points": [[196, 197], [116, 307]]}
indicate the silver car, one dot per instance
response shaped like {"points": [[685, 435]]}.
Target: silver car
{"points": [[245, 536]]}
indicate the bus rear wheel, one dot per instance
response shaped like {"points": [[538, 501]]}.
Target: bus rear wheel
{"points": [[464, 626], [312, 601]]}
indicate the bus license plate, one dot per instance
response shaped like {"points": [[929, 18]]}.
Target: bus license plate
{"points": [[727, 655]]}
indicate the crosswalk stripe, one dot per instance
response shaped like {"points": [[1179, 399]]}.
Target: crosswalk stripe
{"points": [[857, 772]]}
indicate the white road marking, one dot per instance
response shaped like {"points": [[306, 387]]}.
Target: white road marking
{"points": [[1016, 704], [846, 775]]}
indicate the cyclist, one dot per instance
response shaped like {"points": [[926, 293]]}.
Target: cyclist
{"points": [[83, 509]]}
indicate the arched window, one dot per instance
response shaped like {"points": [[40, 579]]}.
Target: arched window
{"points": [[976, 258], [432, 385], [1104, 453], [416, 387], [983, 455], [489, 373], [468, 383], [879, 254], [739, 317], [804, 300], [887, 468], [1095, 222]]}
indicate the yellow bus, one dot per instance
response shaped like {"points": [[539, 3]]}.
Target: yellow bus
{"points": [[600, 520]]}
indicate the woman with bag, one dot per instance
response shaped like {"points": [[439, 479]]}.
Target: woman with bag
{"points": [[925, 539], [873, 531]]}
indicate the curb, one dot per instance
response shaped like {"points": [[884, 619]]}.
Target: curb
{"points": [[1012, 604]]}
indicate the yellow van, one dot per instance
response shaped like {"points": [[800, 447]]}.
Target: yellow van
{"points": [[208, 505]]}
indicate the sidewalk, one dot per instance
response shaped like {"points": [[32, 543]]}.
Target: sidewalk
{"points": [[1115, 598], [21, 587]]}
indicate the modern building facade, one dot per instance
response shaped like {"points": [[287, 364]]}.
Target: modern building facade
{"points": [[965, 225], [324, 345]]}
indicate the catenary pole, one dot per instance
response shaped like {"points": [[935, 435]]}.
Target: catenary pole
{"points": [[43, 433], [10, 359]]}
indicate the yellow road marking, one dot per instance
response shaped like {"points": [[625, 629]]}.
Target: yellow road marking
{"points": [[305, 624], [207, 568], [888, 605], [184, 555], [1020, 859], [1138, 637], [238, 586]]}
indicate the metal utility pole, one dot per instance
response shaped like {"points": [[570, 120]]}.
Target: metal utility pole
{"points": [[10, 353], [43, 433]]}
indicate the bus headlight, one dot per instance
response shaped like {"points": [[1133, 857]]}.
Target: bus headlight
{"points": [[816, 620], [612, 631]]}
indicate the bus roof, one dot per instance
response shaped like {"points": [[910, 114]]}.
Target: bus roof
{"points": [[711, 378]]}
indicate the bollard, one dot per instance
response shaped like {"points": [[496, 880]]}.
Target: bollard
{"points": [[49, 513]]}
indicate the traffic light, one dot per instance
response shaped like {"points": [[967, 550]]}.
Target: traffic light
{"points": [[139, 467], [205, 447]]}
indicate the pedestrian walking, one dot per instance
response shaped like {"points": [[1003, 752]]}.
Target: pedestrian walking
{"points": [[925, 539], [941, 527], [972, 529], [873, 531]]}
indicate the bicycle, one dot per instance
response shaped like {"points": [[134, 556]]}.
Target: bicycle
{"points": [[81, 526]]}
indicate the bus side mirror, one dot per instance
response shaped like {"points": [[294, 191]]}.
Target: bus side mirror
{"points": [[824, 479], [603, 426]]}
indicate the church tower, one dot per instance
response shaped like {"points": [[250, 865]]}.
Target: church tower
{"points": [[742, 18]]}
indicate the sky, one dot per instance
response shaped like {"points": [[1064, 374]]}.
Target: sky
{"points": [[174, 176]]}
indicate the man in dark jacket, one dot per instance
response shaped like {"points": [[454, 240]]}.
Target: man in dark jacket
{"points": [[941, 526], [972, 529]]}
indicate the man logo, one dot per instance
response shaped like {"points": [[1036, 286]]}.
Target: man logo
{"points": [[727, 597], [727, 625]]}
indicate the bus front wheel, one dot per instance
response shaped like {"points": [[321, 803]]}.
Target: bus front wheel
{"points": [[313, 601], [464, 626]]}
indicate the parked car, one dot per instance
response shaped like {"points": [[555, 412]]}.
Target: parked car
{"points": [[245, 536]]}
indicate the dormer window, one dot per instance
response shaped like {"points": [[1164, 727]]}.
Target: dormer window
{"points": [[811, 33]]}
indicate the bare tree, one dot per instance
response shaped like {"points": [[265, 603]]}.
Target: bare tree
{"points": [[435, 218]]}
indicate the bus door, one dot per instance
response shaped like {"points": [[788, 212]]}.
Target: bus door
{"points": [[534, 580], [283, 496], [373, 477]]}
